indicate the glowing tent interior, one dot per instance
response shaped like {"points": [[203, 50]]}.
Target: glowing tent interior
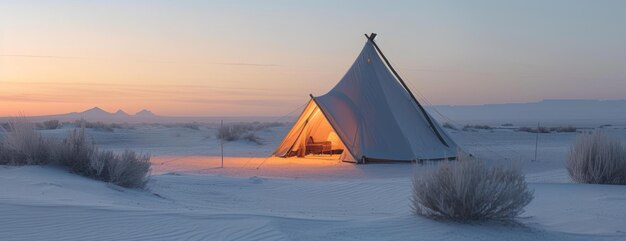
{"points": [[370, 115]]}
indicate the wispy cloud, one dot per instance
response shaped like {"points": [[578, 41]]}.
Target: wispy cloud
{"points": [[29, 98], [39, 56], [141, 60], [249, 64]]}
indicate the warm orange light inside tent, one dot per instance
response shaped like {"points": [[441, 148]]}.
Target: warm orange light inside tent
{"points": [[334, 139], [312, 135]]}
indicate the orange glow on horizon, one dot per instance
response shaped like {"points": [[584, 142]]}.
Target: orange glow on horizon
{"points": [[229, 58]]}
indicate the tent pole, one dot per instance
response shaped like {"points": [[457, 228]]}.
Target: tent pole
{"points": [[428, 119], [306, 122]]}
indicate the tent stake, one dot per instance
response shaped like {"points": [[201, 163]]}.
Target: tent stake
{"points": [[222, 143], [536, 141]]}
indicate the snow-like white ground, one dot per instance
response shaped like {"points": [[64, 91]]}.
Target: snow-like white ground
{"points": [[259, 198]]}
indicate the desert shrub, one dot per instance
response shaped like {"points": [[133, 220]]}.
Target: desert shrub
{"points": [[595, 158], [233, 132], [98, 126], [534, 130], [76, 152], [24, 146], [5, 127], [127, 169], [449, 126], [4, 155], [193, 126], [542, 129], [564, 129], [51, 124], [241, 131], [469, 191], [476, 127], [251, 137]]}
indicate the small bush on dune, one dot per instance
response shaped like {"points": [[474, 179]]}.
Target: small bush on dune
{"points": [[595, 158], [193, 126], [24, 146], [5, 127], [542, 129], [469, 191], [251, 137], [229, 133], [449, 126], [98, 126], [239, 131], [127, 169], [476, 127], [76, 152], [564, 129], [534, 130], [51, 124]]}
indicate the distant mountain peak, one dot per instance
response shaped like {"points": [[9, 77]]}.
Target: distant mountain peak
{"points": [[121, 112], [95, 110], [145, 112]]}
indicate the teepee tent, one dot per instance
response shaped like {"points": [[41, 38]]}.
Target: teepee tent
{"points": [[370, 115]]}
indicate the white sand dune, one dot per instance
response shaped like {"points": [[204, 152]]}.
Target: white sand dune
{"points": [[46, 203], [259, 198]]}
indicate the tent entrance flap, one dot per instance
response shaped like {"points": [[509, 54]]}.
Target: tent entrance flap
{"points": [[312, 134]]}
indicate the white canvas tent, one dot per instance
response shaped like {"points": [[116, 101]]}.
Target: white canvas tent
{"points": [[370, 115]]}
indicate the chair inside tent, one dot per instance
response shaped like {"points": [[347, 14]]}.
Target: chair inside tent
{"points": [[312, 135]]}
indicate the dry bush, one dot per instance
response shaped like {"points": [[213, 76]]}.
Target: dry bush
{"points": [[24, 146], [534, 130], [476, 127], [251, 137], [541, 129], [230, 132], [469, 191], [595, 158], [5, 127], [76, 152], [98, 126], [51, 124], [127, 169], [564, 129], [191, 125], [241, 131], [449, 126]]}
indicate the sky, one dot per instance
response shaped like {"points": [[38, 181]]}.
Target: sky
{"points": [[263, 58]]}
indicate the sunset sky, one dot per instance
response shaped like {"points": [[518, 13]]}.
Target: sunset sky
{"points": [[237, 58]]}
